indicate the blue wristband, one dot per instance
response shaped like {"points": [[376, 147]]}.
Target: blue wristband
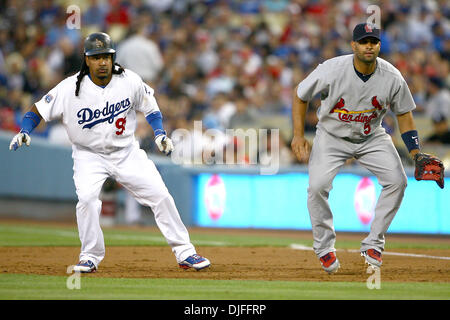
{"points": [[411, 140], [30, 121], [155, 120]]}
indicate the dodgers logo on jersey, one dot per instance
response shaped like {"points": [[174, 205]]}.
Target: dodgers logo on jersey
{"points": [[108, 113]]}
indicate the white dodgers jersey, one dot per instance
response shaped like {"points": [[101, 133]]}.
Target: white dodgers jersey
{"points": [[100, 119], [350, 107]]}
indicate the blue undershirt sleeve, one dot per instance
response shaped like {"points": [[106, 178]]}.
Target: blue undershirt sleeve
{"points": [[155, 120], [29, 122]]}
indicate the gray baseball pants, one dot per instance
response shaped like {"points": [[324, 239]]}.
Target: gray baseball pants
{"points": [[379, 156]]}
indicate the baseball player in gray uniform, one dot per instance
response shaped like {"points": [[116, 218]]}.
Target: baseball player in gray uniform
{"points": [[356, 91], [98, 107]]}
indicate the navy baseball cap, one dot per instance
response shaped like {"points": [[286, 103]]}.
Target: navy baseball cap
{"points": [[364, 30]]}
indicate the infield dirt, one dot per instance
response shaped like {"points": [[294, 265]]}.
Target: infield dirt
{"points": [[236, 263]]}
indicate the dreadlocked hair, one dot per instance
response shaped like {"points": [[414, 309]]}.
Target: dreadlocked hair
{"points": [[83, 71], [117, 69]]}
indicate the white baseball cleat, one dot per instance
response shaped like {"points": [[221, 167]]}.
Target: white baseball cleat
{"points": [[195, 261]]}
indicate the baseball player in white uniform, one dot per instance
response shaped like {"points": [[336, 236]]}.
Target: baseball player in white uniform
{"points": [[356, 91], [98, 108]]}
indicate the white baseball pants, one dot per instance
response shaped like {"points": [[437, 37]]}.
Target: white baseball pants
{"points": [[138, 174]]}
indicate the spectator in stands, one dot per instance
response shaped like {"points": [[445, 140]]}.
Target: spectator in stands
{"points": [[117, 14], [213, 47], [200, 104], [441, 131], [275, 143], [48, 12], [58, 30], [7, 120], [438, 103], [95, 14], [139, 53], [244, 117], [15, 68], [71, 61], [222, 109]]}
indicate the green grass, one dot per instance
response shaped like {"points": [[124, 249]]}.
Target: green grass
{"points": [[39, 287], [38, 235], [24, 287]]}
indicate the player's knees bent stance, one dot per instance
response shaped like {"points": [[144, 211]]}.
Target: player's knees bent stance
{"points": [[88, 201], [151, 197], [162, 201], [395, 181], [319, 187]]}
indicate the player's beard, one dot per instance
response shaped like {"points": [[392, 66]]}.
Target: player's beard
{"points": [[103, 75], [361, 55]]}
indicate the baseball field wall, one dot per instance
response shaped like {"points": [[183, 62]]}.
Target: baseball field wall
{"points": [[36, 181]]}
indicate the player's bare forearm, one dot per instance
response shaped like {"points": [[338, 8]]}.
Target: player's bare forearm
{"points": [[406, 123], [298, 115], [300, 146]]}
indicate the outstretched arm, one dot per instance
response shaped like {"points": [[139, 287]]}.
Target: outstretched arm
{"points": [[30, 121], [163, 142]]}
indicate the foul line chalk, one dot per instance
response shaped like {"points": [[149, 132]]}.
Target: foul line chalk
{"points": [[296, 246]]}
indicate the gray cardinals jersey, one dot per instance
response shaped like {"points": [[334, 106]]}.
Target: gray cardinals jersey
{"points": [[351, 108]]}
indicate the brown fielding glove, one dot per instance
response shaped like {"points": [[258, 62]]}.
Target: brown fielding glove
{"points": [[429, 167]]}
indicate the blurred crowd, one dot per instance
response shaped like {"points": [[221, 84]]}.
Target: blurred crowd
{"points": [[227, 63]]}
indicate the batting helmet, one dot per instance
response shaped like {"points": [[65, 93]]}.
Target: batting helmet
{"points": [[98, 43]]}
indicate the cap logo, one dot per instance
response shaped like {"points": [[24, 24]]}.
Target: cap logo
{"points": [[368, 28], [98, 44]]}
